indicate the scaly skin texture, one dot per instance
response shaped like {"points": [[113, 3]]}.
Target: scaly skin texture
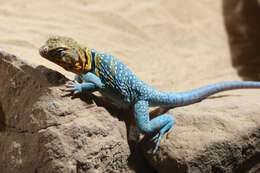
{"points": [[104, 73]]}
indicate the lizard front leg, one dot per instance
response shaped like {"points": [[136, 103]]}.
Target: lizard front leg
{"points": [[158, 126], [75, 88], [90, 84]]}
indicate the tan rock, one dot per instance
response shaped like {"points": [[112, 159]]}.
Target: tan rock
{"points": [[219, 134], [172, 45], [44, 132], [242, 24], [222, 133]]}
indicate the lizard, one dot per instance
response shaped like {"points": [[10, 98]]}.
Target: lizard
{"points": [[98, 71]]}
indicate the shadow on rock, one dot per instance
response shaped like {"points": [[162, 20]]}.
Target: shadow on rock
{"points": [[136, 159], [54, 78], [2, 118], [241, 19]]}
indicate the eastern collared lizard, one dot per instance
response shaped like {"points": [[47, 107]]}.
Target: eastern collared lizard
{"points": [[104, 73]]}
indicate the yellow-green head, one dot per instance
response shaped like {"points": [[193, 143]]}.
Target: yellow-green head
{"points": [[67, 53]]}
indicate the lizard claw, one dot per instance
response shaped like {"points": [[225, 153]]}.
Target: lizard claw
{"points": [[72, 88], [69, 85], [159, 138], [156, 136]]}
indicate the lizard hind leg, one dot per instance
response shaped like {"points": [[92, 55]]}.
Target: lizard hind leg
{"points": [[158, 126]]}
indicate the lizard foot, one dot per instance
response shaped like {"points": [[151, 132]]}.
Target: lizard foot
{"points": [[72, 89], [167, 128]]}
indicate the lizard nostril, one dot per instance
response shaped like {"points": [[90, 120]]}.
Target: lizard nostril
{"points": [[43, 50]]}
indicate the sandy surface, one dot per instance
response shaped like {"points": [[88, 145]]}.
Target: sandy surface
{"points": [[172, 45]]}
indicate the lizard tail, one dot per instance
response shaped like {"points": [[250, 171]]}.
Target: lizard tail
{"points": [[194, 96]]}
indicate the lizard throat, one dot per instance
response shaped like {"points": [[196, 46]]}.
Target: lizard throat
{"points": [[88, 61]]}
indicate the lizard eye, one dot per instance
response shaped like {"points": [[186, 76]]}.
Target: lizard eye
{"points": [[60, 52]]}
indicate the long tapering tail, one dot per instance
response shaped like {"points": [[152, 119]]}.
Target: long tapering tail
{"points": [[194, 96]]}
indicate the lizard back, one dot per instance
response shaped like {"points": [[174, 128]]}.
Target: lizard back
{"points": [[120, 83]]}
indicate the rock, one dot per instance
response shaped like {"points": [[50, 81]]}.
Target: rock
{"points": [[44, 132], [219, 134], [241, 20], [40, 131]]}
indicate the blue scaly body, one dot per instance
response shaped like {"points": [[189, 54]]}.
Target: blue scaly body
{"points": [[108, 75], [117, 82]]}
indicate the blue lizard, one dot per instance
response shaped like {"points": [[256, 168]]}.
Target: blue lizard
{"points": [[104, 73]]}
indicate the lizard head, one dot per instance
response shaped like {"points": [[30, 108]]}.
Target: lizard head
{"points": [[67, 53]]}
